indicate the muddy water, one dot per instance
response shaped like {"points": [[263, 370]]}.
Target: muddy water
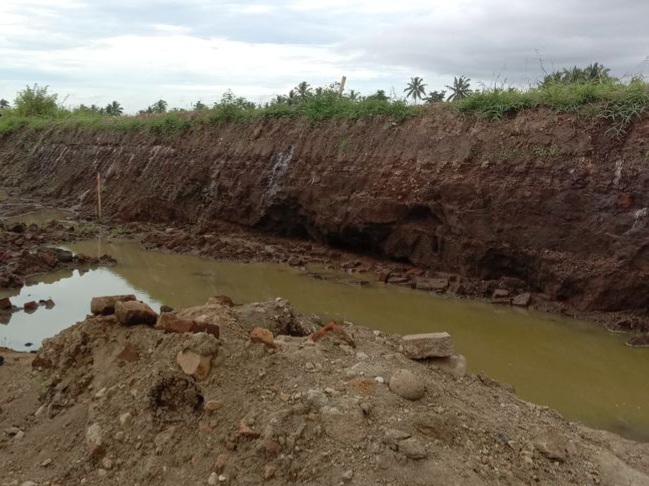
{"points": [[573, 366]]}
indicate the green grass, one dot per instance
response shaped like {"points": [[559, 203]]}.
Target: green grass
{"points": [[620, 104], [617, 103], [316, 108]]}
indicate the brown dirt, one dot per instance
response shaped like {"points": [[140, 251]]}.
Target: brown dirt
{"points": [[108, 404], [546, 198]]}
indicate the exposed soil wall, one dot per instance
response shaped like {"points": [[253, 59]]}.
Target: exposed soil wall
{"points": [[545, 197]]}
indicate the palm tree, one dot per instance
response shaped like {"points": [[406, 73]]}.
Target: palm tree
{"points": [[416, 89], [435, 96], [353, 95], [114, 109], [461, 88], [303, 90], [4, 104], [159, 106], [292, 97]]}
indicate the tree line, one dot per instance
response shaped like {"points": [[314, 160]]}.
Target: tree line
{"points": [[38, 101]]}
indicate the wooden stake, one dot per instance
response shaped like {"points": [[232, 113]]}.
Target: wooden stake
{"points": [[98, 195], [342, 86]]}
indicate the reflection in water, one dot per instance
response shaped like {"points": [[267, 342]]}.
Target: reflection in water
{"points": [[573, 366]]}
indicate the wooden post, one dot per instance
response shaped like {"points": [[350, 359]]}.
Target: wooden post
{"points": [[98, 195], [342, 86]]}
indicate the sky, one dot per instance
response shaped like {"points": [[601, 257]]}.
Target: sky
{"points": [[139, 51]]}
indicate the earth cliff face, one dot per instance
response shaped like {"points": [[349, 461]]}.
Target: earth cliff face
{"points": [[551, 199]]}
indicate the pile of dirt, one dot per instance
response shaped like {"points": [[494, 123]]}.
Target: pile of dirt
{"points": [[276, 399]]}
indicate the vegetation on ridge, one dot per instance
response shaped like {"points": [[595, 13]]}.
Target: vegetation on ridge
{"points": [[590, 90]]}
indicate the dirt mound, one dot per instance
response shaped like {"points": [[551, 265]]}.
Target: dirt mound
{"points": [[113, 404]]}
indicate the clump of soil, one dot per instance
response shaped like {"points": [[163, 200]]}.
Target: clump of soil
{"points": [[110, 404]]}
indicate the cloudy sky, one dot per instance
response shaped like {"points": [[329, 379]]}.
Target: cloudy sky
{"points": [[137, 51]]}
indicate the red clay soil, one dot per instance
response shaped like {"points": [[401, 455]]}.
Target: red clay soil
{"points": [[550, 199]]}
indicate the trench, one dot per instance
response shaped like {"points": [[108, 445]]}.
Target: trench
{"points": [[576, 367]]}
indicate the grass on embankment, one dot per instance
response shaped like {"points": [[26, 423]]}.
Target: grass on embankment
{"points": [[620, 104]]}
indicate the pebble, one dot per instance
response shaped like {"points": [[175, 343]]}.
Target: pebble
{"points": [[407, 385], [46, 462], [412, 449], [213, 479], [125, 419], [19, 435], [348, 475], [380, 379], [101, 393]]}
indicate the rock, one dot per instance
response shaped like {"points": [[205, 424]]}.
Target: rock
{"points": [[49, 303], [407, 385], [637, 341], [246, 431], [432, 284], [392, 437], [170, 322], [106, 305], [522, 300], [5, 304], [132, 312], [2, 360], [223, 300], [453, 365], [165, 308], [500, 294], [551, 445], [316, 399], [130, 353], [30, 306], [431, 345], [213, 405], [333, 331], [348, 475], [412, 449], [213, 480], [269, 471], [263, 336], [221, 462], [125, 419], [94, 435], [194, 364]]}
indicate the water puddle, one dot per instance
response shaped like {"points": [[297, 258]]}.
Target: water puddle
{"points": [[574, 366]]}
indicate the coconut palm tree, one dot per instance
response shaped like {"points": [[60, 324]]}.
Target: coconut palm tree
{"points": [[353, 95], [159, 106], [303, 90], [416, 89], [114, 109], [461, 88], [435, 96]]}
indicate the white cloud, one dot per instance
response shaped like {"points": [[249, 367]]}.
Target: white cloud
{"points": [[137, 51]]}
